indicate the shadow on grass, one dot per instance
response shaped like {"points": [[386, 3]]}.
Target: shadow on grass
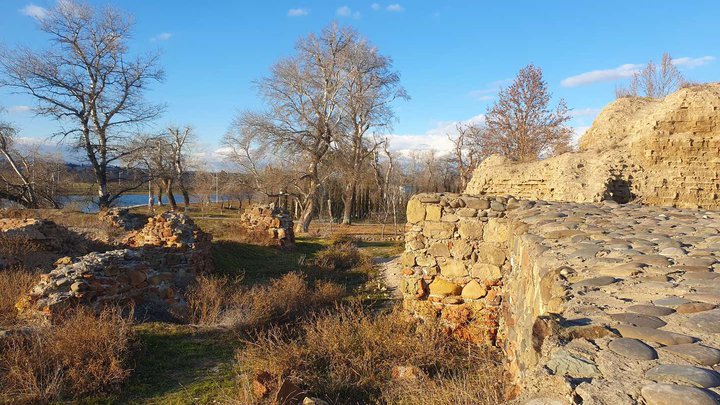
{"points": [[179, 364], [260, 263]]}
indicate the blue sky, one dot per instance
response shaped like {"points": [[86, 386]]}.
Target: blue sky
{"points": [[452, 55]]}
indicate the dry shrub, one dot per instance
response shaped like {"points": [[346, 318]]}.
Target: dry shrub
{"points": [[217, 300], [14, 282], [85, 354], [341, 255], [208, 299], [16, 246], [348, 356]]}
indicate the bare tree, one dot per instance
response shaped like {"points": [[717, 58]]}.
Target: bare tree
{"points": [[304, 94], [27, 179], [467, 152], [369, 89], [652, 81], [88, 80], [521, 125], [180, 140]]}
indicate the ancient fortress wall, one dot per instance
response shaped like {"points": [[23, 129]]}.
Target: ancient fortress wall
{"points": [[659, 152], [590, 303]]}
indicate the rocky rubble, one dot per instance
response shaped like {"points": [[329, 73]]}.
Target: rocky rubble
{"points": [[160, 261], [46, 240], [591, 303], [122, 218], [268, 224]]}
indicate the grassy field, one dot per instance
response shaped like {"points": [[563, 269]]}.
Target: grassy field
{"points": [[191, 364], [303, 315]]}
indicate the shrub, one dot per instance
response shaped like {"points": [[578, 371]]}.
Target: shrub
{"points": [[85, 353], [341, 255], [216, 300], [16, 246], [348, 356], [14, 282]]}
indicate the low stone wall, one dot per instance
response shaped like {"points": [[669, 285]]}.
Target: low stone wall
{"points": [[122, 218], [268, 225], [162, 259], [455, 258], [36, 242], [593, 303]]}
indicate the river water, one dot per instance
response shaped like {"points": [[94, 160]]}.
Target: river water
{"points": [[89, 204]]}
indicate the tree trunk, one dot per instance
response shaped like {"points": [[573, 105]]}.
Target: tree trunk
{"points": [[308, 212], [103, 194], [348, 199], [171, 196], [160, 194], [184, 191]]}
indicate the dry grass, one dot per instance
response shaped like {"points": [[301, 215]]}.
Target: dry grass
{"points": [[16, 246], [342, 254], [13, 283], [84, 354], [220, 301], [347, 356]]}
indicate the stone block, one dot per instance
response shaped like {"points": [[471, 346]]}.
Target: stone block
{"points": [[439, 250], [439, 230], [474, 290], [486, 271], [496, 230], [433, 212], [453, 268], [443, 287], [489, 253], [471, 230], [415, 211]]}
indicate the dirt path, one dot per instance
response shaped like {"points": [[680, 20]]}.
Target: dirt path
{"points": [[391, 270]]}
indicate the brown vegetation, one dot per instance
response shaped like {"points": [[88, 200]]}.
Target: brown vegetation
{"points": [[654, 82], [350, 355], [220, 301], [343, 254], [84, 354], [521, 125], [13, 283]]}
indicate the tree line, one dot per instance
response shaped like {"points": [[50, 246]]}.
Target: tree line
{"points": [[319, 145]]}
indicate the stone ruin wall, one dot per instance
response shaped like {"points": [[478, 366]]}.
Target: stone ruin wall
{"points": [[589, 303], [660, 152], [470, 264], [269, 225], [454, 261], [159, 262]]}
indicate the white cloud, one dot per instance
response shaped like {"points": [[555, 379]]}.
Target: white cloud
{"points": [[19, 108], [605, 75], [345, 11], [375, 7], [163, 36], [690, 63], [489, 92], [435, 138], [298, 12], [584, 112], [395, 7], [34, 11]]}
